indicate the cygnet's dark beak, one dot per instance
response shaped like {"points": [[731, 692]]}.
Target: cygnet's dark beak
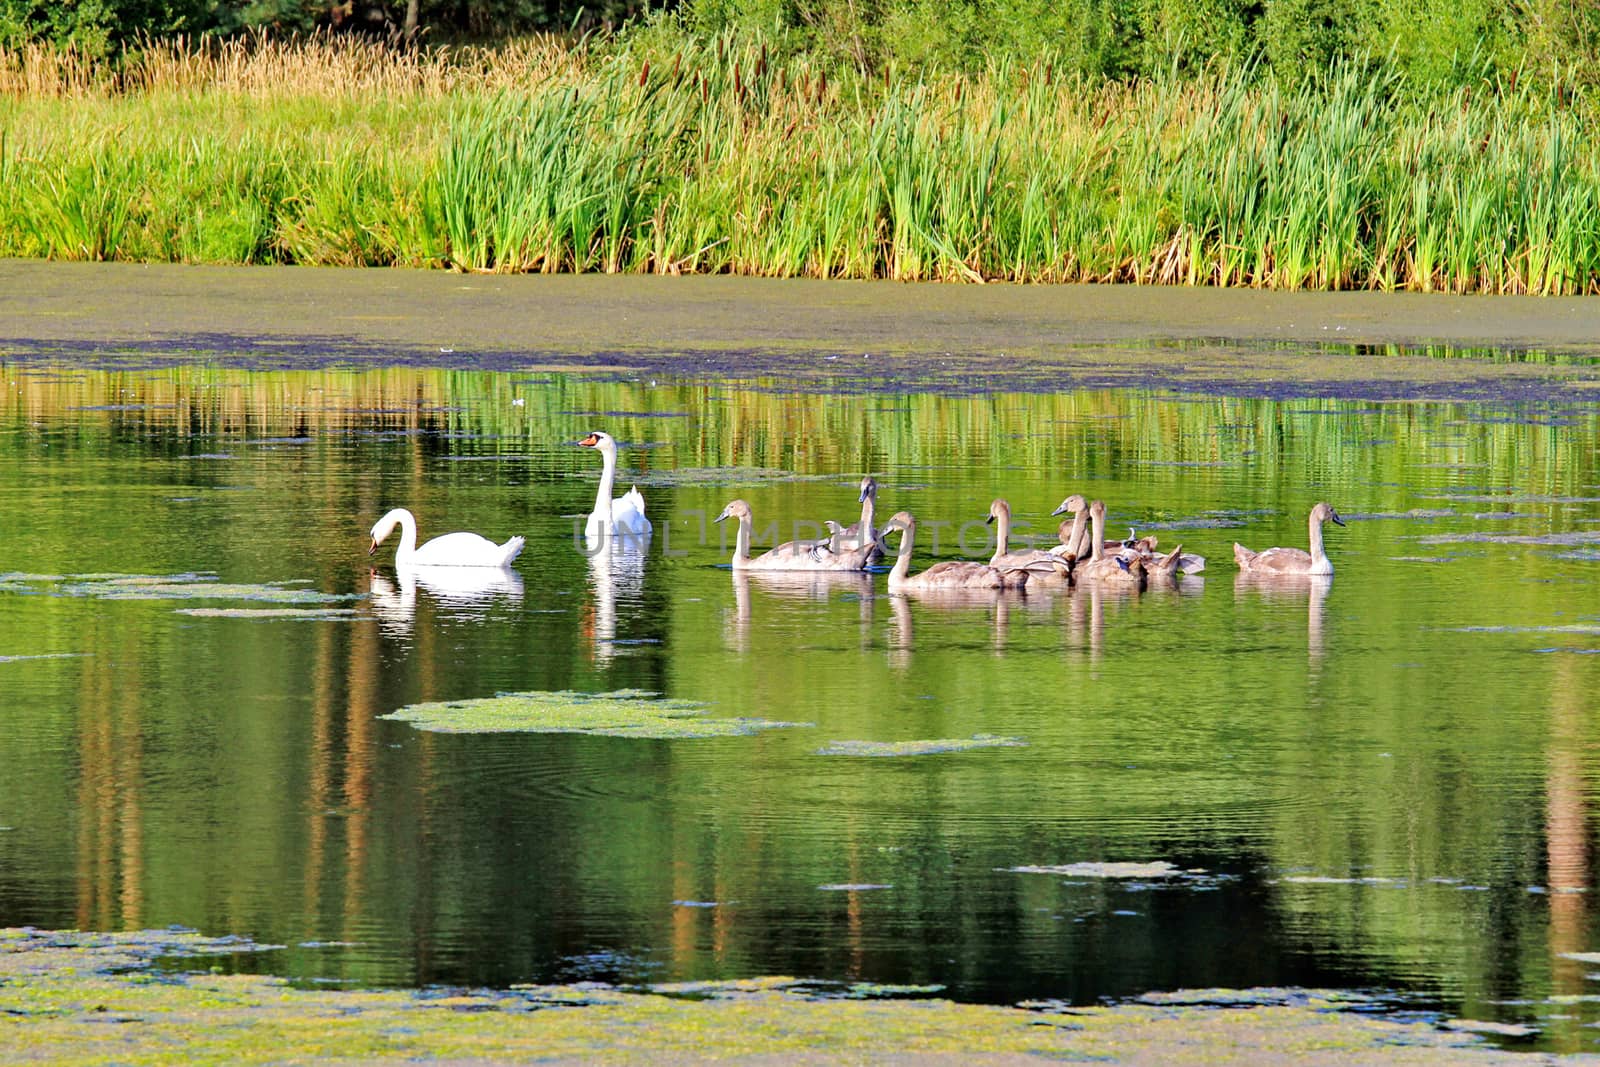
{"points": [[989, 521], [1337, 521]]}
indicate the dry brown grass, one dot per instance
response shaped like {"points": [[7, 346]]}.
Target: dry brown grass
{"points": [[323, 65]]}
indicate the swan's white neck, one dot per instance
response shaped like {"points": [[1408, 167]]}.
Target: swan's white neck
{"points": [[868, 509], [741, 542], [608, 479], [408, 533], [1002, 534], [1097, 534], [902, 564]]}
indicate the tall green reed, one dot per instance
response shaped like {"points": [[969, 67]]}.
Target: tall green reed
{"points": [[717, 157]]}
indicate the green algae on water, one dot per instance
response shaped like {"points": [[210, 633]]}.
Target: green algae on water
{"points": [[939, 746], [310, 614], [186, 586], [1151, 869], [622, 713], [58, 988]]}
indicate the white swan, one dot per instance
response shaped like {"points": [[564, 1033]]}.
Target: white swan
{"points": [[451, 550], [625, 514]]}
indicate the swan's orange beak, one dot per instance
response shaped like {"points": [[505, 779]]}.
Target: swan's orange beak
{"points": [[372, 547], [590, 441]]}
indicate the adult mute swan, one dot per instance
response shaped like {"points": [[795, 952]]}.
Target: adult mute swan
{"points": [[613, 518], [1292, 560], [451, 550]]}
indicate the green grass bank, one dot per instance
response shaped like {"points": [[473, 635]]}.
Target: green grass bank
{"points": [[669, 154]]}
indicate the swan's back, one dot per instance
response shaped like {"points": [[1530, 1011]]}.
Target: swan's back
{"points": [[963, 574], [1164, 565], [466, 550], [1275, 560], [627, 517], [1110, 569], [810, 556]]}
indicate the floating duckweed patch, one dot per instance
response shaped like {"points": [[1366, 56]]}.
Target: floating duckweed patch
{"points": [[1325, 879], [854, 887], [1569, 538], [1414, 513], [313, 614], [808, 988], [186, 586], [56, 988], [623, 713], [1568, 628], [919, 748], [1484, 1026], [1152, 869]]}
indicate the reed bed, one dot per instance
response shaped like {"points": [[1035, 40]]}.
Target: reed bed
{"points": [[715, 156]]}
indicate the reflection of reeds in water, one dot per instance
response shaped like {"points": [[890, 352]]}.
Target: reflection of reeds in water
{"points": [[721, 158], [1089, 431]]}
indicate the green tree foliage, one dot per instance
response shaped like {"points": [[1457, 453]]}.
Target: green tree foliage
{"points": [[95, 26], [99, 27], [1434, 42]]}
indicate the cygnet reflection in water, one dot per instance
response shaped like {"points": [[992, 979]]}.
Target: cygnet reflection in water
{"points": [[905, 604], [1311, 588], [818, 587]]}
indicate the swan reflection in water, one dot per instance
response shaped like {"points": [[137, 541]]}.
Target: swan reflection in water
{"points": [[998, 603], [616, 568], [817, 587], [458, 592], [1281, 588]]}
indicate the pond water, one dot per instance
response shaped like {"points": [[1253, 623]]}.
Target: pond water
{"points": [[1385, 782]]}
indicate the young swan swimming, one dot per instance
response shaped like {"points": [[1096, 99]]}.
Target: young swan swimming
{"points": [[952, 574], [791, 555], [1100, 567], [1074, 542], [1036, 561], [1292, 560], [860, 533], [450, 550]]}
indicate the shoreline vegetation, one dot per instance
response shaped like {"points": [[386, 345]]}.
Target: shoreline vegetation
{"points": [[664, 152], [84, 998]]}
